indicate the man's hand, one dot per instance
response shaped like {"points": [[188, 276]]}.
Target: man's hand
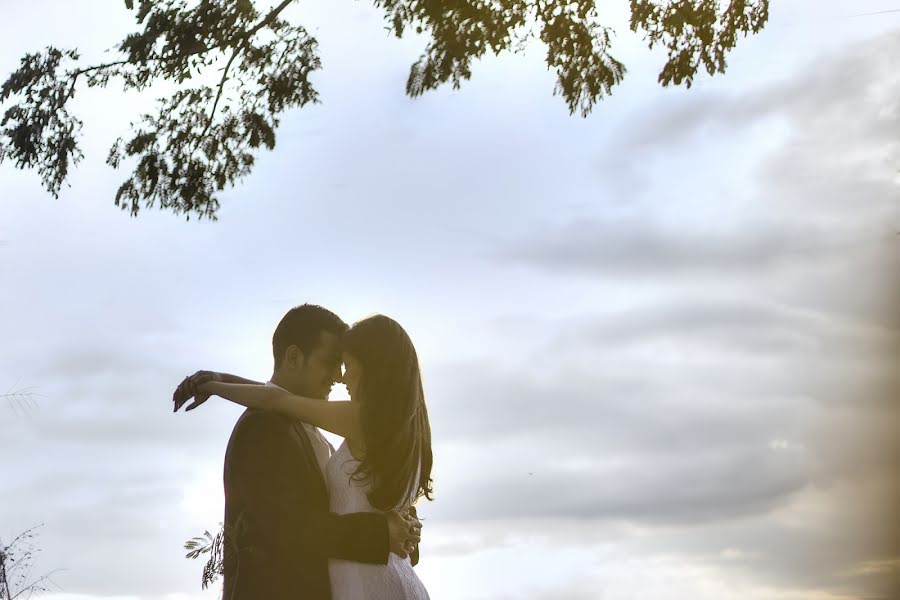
{"points": [[404, 531], [190, 388]]}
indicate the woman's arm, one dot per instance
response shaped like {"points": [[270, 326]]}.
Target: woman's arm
{"points": [[339, 417], [190, 386], [229, 378]]}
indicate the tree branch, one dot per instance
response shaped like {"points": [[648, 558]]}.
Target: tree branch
{"points": [[273, 14], [4, 579], [75, 74], [212, 113], [35, 585], [23, 398], [267, 20]]}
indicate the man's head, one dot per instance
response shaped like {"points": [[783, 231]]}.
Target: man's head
{"points": [[306, 347]]}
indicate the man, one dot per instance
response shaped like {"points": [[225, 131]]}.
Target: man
{"points": [[279, 534]]}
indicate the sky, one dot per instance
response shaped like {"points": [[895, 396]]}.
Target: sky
{"points": [[658, 344]]}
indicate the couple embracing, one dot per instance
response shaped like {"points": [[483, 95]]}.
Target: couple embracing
{"points": [[304, 521]]}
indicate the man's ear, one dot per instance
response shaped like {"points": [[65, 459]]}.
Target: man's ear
{"points": [[294, 356]]}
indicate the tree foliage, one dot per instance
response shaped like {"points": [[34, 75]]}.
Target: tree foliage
{"points": [[16, 561], [23, 399], [204, 137], [214, 546]]}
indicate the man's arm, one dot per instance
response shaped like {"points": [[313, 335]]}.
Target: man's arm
{"points": [[264, 464]]}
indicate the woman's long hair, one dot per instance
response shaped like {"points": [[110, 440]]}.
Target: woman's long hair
{"points": [[393, 416]]}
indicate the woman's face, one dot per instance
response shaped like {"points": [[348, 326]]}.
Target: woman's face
{"points": [[352, 374]]}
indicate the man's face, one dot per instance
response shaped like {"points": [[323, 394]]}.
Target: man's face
{"points": [[322, 367]]}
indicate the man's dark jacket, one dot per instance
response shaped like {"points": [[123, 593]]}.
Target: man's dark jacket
{"points": [[279, 534]]}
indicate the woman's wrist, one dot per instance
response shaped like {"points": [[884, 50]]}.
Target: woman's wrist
{"points": [[214, 387]]}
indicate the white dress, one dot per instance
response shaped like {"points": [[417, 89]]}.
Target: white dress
{"points": [[360, 581]]}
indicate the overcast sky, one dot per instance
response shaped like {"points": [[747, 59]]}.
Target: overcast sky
{"points": [[659, 344]]}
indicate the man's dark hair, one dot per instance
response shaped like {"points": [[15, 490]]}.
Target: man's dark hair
{"points": [[302, 327]]}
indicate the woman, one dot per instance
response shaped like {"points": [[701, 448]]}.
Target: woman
{"points": [[385, 461]]}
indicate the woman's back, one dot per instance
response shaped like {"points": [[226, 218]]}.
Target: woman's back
{"points": [[360, 581]]}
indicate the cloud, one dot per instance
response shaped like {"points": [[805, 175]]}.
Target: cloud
{"points": [[737, 324], [738, 406], [639, 247], [819, 210], [828, 99]]}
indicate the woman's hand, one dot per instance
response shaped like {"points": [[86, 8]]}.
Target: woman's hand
{"points": [[193, 387]]}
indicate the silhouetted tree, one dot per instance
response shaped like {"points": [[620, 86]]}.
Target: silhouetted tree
{"points": [[21, 398], [214, 546], [204, 137], [16, 562]]}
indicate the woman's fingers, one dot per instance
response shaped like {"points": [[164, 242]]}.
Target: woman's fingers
{"points": [[182, 393], [190, 388], [197, 402]]}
